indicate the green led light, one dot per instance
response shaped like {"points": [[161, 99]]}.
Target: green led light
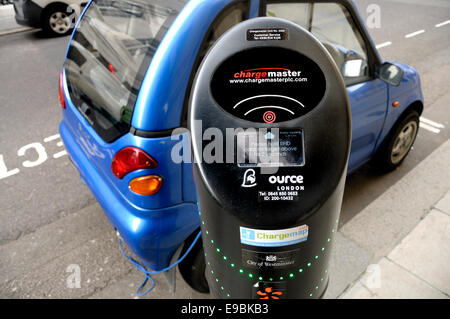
{"points": [[212, 241], [291, 275], [260, 278], [316, 257], [212, 272], [228, 295], [218, 250], [208, 262], [323, 248], [308, 264], [203, 223], [281, 278], [241, 271], [329, 239], [232, 265], [326, 271], [300, 270], [217, 280], [310, 295], [317, 287], [333, 230], [250, 275], [207, 232], [321, 279], [270, 279], [221, 287], [224, 257]]}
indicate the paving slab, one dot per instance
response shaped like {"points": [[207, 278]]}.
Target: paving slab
{"points": [[348, 262], [444, 204], [394, 282], [425, 252], [357, 291]]}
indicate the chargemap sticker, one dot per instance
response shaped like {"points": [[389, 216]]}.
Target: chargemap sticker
{"points": [[273, 238]]}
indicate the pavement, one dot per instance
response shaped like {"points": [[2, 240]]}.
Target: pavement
{"points": [[8, 23], [408, 240]]}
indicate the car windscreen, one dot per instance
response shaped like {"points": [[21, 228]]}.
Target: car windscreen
{"points": [[108, 56]]}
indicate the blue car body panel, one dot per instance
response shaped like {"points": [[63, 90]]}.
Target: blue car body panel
{"points": [[172, 66], [155, 226]]}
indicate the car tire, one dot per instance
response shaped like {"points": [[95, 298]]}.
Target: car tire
{"points": [[399, 143], [56, 20], [193, 266]]}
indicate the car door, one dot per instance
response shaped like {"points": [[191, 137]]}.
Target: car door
{"points": [[335, 27]]}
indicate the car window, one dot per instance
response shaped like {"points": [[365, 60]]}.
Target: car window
{"points": [[231, 16], [332, 24], [235, 13], [108, 56]]}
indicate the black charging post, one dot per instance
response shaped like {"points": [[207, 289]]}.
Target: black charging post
{"points": [[271, 130]]}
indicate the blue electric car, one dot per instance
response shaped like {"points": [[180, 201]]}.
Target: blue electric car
{"points": [[125, 87]]}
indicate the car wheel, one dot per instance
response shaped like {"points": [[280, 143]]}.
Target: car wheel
{"points": [[56, 20], [399, 143], [193, 267]]}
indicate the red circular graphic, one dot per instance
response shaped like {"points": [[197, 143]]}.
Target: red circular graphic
{"points": [[269, 117]]}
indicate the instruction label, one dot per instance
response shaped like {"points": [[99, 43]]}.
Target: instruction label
{"points": [[267, 34]]}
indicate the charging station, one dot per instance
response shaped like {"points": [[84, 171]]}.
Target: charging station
{"points": [[271, 130]]}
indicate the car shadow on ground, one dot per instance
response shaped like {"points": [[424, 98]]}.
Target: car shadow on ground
{"points": [[40, 34]]}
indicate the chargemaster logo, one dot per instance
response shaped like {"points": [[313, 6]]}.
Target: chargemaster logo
{"points": [[273, 238]]}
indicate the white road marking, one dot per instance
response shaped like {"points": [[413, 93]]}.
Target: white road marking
{"points": [[442, 24], [59, 154], [432, 123], [414, 34], [4, 172], [429, 128], [51, 138], [38, 148], [384, 44]]}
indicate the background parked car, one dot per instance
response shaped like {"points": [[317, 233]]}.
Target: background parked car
{"points": [[54, 17]]}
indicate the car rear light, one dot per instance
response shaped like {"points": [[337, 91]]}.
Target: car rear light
{"points": [[130, 159], [146, 185], [61, 91]]}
